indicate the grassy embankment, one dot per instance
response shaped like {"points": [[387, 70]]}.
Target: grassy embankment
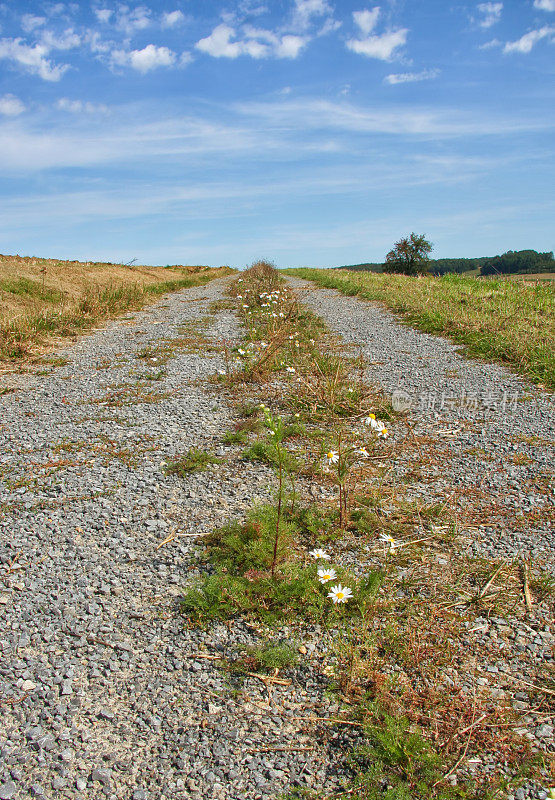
{"points": [[42, 299], [504, 320]]}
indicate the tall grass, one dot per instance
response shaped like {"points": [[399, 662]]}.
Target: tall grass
{"points": [[508, 321], [20, 335]]}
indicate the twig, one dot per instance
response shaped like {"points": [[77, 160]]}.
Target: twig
{"points": [[269, 679], [280, 749], [526, 585], [331, 720], [491, 580], [527, 683]]}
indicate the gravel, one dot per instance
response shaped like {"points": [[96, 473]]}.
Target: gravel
{"points": [[495, 429], [102, 694], [493, 450]]}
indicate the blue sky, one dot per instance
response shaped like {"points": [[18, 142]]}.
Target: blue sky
{"points": [[310, 132]]}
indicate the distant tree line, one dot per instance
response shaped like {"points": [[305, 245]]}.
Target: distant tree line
{"points": [[511, 262]]}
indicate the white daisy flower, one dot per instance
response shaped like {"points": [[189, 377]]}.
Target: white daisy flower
{"points": [[362, 451], [241, 351], [340, 594], [388, 539], [325, 575], [332, 456], [290, 369], [221, 372], [319, 553]]}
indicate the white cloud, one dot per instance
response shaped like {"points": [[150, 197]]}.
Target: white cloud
{"points": [[527, 42], [171, 18], [545, 5], [11, 106], [132, 20], [150, 57], [489, 45], [411, 77], [490, 14], [380, 46], [324, 115], [256, 43], [305, 10], [103, 14], [32, 59], [29, 22], [80, 106], [367, 20], [290, 46], [219, 43], [65, 41]]}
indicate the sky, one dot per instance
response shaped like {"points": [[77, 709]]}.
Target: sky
{"points": [[306, 132]]}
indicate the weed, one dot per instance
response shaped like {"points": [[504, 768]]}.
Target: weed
{"points": [[194, 460]]}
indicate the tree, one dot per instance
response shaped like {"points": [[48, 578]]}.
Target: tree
{"points": [[409, 256]]}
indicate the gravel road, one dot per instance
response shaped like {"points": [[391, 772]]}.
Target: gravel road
{"points": [[101, 694], [496, 431], [104, 692]]}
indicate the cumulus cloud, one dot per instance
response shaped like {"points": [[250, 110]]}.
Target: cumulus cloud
{"points": [[306, 10], [29, 22], [150, 57], [80, 106], [490, 13], [527, 42], [171, 18], [32, 59], [545, 5], [255, 42], [103, 14], [382, 46], [11, 106], [411, 77], [65, 41], [367, 20], [132, 20]]}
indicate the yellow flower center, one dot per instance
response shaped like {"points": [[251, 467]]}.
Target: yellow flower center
{"points": [[340, 595], [372, 416]]}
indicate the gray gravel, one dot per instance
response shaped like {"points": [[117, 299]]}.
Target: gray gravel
{"points": [[496, 430], [101, 692]]}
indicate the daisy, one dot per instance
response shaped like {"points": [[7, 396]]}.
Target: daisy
{"points": [[362, 451], [241, 351], [325, 575], [340, 594], [319, 553], [290, 369], [332, 456], [387, 538], [383, 432]]}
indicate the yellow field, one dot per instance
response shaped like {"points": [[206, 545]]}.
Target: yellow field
{"points": [[41, 298]]}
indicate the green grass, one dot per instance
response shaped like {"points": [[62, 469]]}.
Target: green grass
{"points": [[194, 460], [508, 321], [26, 287]]}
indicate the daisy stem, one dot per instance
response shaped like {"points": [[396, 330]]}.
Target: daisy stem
{"points": [[278, 516]]}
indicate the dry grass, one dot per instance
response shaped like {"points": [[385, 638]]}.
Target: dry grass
{"points": [[45, 298], [512, 321]]}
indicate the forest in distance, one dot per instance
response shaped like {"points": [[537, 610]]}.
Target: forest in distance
{"points": [[510, 263]]}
